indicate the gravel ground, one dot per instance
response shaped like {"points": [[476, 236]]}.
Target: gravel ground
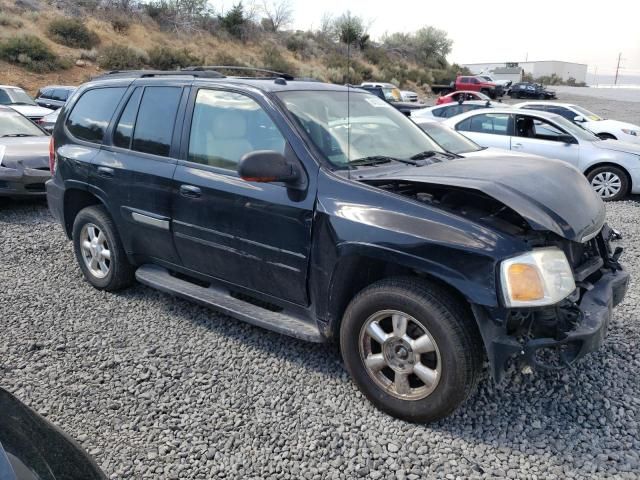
{"points": [[155, 387]]}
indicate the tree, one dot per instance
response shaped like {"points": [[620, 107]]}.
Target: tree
{"points": [[278, 14], [428, 46], [234, 20], [349, 28]]}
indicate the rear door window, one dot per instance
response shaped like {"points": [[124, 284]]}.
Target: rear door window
{"points": [[92, 113], [124, 130], [492, 123], [156, 118]]}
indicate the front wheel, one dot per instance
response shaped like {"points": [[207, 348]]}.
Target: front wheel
{"points": [[99, 250], [412, 348], [610, 182]]}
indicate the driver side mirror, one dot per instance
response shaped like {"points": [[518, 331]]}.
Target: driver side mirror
{"points": [[268, 166], [579, 118], [567, 139]]}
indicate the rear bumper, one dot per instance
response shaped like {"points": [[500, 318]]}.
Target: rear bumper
{"points": [[55, 194], [23, 182], [562, 350]]}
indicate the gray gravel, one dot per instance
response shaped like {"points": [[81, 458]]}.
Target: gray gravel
{"points": [[155, 387]]}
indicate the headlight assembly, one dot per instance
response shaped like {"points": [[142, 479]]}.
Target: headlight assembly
{"points": [[630, 132], [537, 278]]}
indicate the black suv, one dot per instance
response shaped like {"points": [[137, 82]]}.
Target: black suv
{"points": [[322, 212]]}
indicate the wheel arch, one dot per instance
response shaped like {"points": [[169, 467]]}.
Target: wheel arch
{"points": [[75, 199]]}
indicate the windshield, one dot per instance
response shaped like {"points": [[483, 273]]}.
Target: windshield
{"points": [[12, 124], [13, 96], [586, 113], [574, 130], [365, 127], [449, 139]]}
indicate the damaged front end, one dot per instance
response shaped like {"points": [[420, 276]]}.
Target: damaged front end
{"points": [[563, 216]]}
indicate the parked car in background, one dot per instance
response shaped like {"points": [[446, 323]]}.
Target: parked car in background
{"points": [[20, 101], [409, 96], [54, 96], [404, 107], [24, 156], [464, 95], [505, 84], [478, 84], [531, 90], [49, 121], [454, 142], [612, 167], [32, 448], [603, 128], [321, 212], [391, 92], [448, 110]]}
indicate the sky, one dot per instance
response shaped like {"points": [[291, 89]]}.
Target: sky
{"points": [[569, 30]]}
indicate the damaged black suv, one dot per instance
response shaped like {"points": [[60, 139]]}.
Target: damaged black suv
{"points": [[322, 212]]}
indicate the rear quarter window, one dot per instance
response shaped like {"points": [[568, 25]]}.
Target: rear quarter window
{"points": [[92, 113]]}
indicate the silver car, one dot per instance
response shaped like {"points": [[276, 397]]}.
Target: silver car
{"points": [[448, 110], [612, 167], [24, 156]]}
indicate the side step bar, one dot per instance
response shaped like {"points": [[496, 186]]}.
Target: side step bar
{"points": [[160, 279]]}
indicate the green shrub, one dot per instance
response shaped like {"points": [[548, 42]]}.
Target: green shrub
{"points": [[32, 53], [120, 23], [9, 21], [121, 57], [222, 58], [72, 33], [166, 58], [272, 59]]}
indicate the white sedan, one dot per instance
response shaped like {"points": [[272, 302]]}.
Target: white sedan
{"points": [[612, 167], [606, 129], [448, 110]]}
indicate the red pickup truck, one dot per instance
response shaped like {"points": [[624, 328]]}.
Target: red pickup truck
{"points": [[479, 84]]}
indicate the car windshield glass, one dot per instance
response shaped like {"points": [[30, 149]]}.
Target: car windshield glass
{"points": [[20, 97], [13, 124], [364, 126], [449, 139], [573, 129], [586, 113]]}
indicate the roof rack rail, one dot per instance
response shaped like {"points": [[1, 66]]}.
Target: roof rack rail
{"points": [[161, 73], [215, 68]]}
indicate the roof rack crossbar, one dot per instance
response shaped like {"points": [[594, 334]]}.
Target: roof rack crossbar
{"points": [[273, 73]]}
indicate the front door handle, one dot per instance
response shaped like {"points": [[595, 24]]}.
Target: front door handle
{"points": [[190, 191], [516, 145], [106, 172]]}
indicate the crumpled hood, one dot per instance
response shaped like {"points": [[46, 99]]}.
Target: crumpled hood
{"points": [[31, 111], [549, 194], [618, 146], [28, 152]]}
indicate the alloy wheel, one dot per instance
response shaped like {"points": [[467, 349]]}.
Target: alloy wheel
{"points": [[95, 250], [400, 355]]}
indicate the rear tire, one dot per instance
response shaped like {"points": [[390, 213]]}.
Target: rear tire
{"points": [[99, 251], [423, 374], [609, 182]]}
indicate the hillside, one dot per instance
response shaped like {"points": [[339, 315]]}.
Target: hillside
{"points": [[95, 36]]}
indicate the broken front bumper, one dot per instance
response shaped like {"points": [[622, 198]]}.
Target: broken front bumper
{"points": [[593, 312], [23, 182]]}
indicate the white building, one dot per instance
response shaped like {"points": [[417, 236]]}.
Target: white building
{"points": [[564, 70]]}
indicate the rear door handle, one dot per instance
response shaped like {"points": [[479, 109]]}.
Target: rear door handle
{"points": [[190, 191], [516, 145], [106, 172]]}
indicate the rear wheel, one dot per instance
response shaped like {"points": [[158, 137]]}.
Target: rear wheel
{"points": [[610, 182], [99, 250], [411, 348]]}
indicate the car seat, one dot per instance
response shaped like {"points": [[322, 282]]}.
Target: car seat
{"points": [[525, 127]]}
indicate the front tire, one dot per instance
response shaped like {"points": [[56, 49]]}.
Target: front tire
{"points": [[609, 182], [412, 348], [99, 251]]}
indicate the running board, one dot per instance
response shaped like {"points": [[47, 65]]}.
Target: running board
{"points": [[160, 279]]}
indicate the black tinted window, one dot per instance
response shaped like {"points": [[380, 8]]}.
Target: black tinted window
{"points": [[92, 113], [4, 98], [124, 130], [45, 93], [156, 116]]}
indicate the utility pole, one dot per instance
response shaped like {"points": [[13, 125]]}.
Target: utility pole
{"points": [[615, 82]]}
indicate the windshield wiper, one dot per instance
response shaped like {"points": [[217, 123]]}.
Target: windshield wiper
{"points": [[377, 159], [430, 153], [18, 135]]}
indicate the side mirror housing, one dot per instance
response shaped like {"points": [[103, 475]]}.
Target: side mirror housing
{"points": [[268, 166], [579, 118], [567, 139]]}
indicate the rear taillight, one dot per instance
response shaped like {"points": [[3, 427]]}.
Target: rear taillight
{"points": [[52, 156]]}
